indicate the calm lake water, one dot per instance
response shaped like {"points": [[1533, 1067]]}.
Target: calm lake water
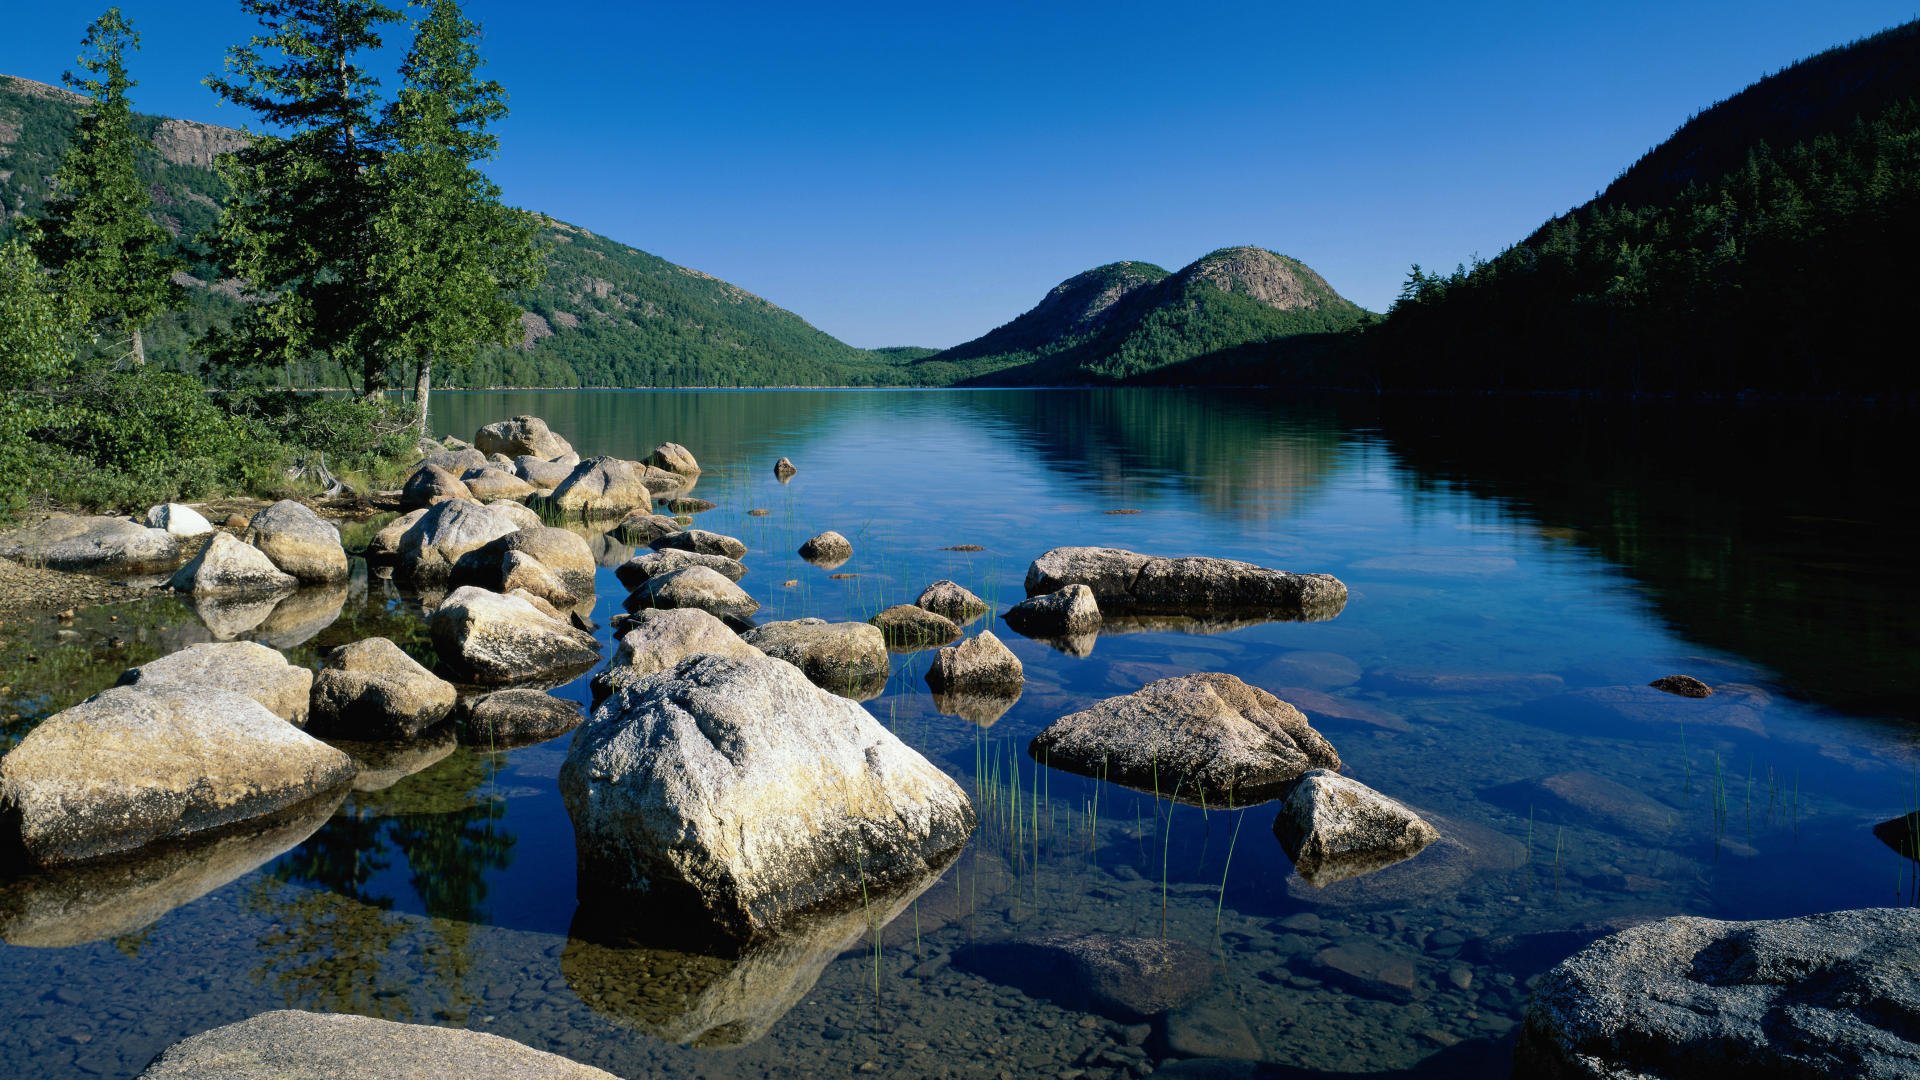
{"points": [[1518, 573]]}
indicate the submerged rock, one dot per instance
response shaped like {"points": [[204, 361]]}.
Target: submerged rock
{"points": [[1682, 686], [240, 666], [694, 587], [227, 566], [299, 542], [94, 545], [178, 520], [131, 765], [430, 485], [908, 628], [319, 1046], [1067, 612], [483, 637], [603, 487], [700, 541], [849, 658], [674, 458], [951, 599], [1207, 734], [658, 639], [1125, 581], [736, 788], [1822, 995], [636, 571], [1464, 852], [1122, 977], [521, 436], [828, 549], [372, 689], [507, 718], [1334, 828], [979, 664]]}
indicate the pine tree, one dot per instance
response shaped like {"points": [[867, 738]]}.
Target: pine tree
{"points": [[299, 225], [448, 253], [108, 256]]}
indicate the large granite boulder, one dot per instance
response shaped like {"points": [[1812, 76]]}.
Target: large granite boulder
{"points": [[953, 600], [1192, 736], [94, 545], [373, 690], [849, 658], [484, 637], [522, 435], [658, 639], [542, 474], [1070, 611], [494, 482], [674, 458], [602, 487], [635, 571], [829, 550], [457, 457], [1833, 994], [518, 560], [243, 667], [1335, 828], [227, 566], [383, 548], [739, 790], [507, 718], [432, 545], [429, 485], [178, 519], [299, 542], [1125, 581], [292, 1045], [982, 664], [134, 765], [907, 628], [694, 587], [700, 542]]}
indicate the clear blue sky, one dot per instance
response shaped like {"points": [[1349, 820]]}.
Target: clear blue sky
{"points": [[899, 174]]}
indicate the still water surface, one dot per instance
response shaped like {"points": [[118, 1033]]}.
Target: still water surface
{"points": [[1517, 574]]}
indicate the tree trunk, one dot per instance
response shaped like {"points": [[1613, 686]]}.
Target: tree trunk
{"points": [[139, 349], [422, 385]]}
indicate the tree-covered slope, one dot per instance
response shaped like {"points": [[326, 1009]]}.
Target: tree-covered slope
{"points": [[1765, 247], [1132, 321]]}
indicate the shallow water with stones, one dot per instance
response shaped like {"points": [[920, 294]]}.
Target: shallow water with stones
{"points": [[1517, 574]]}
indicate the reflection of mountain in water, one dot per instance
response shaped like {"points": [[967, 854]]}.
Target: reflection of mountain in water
{"points": [[1780, 534]]}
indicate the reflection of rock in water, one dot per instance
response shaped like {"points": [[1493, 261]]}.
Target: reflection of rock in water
{"points": [[1079, 645], [1902, 834], [384, 764], [301, 616], [979, 708], [1463, 851], [229, 617], [635, 966], [95, 901]]}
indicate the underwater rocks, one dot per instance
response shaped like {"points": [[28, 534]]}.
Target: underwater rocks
{"points": [[255, 670], [1124, 581], [1335, 828], [373, 690], [1127, 978], [849, 658], [484, 637], [736, 789], [288, 1043], [1192, 736], [1822, 995]]}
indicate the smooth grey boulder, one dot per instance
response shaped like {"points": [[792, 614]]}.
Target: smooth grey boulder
{"points": [[635, 571], [507, 718], [542, 474], [907, 628], [951, 599], [521, 436], [657, 639], [93, 545], [299, 542], [1192, 736], [502, 564], [243, 667], [829, 549], [644, 527], [517, 512], [674, 458], [373, 690], [131, 766], [1335, 828], [383, 548], [1070, 611], [493, 482], [429, 485], [701, 542], [694, 587], [739, 790], [229, 566], [603, 487], [848, 658], [292, 1045], [980, 664], [178, 520], [431, 546], [455, 459], [1126, 581], [1833, 994], [484, 637]]}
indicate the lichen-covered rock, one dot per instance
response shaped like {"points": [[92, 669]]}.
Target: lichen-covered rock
{"points": [[1833, 994], [701, 542], [431, 546], [373, 690], [644, 527], [1124, 581], [694, 587], [228, 566], [493, 482], [383, 549], [674, 458], [602, 487], [735, 787], [657, 639], [541, 474], [178, 519], [483, 637], [829, 549], [500, 565], [430, 484], [521, 436], [133, 765], [507, 718], [951, 599], [1070, 611], [980, 664], [849, 658], [1682, 686], [635, 571], [907, 628], [299, 542], [93, 545], [517, 512], [239, 666], [1334, 828], [292, 1045], [1207, 734]]}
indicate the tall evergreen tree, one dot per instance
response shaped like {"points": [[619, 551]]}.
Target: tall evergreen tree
{"points": [[448, 253], [299, 226], [108, 256]]}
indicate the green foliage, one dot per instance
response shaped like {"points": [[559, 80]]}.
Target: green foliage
{"points": [[38, 327]]}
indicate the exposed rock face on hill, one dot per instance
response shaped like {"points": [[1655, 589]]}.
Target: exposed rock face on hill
{"points": [[185, 142]]}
